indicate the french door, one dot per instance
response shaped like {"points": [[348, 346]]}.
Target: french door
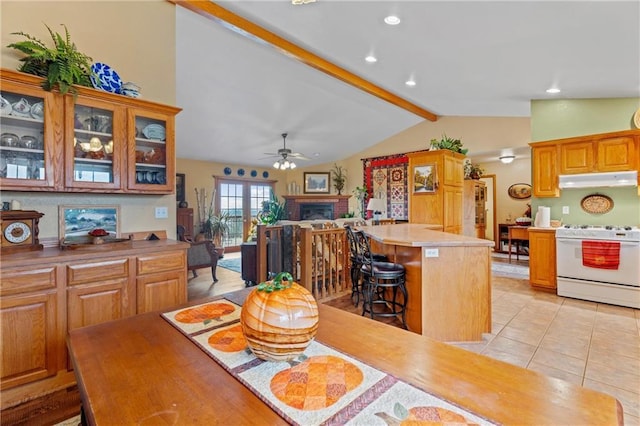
{"points": [[242, 200]]}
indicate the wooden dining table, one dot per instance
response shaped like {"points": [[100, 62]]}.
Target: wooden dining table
{"points": [[142, 370]]}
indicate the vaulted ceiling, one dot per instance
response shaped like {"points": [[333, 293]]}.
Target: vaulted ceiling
{"points": [[474, 58]]}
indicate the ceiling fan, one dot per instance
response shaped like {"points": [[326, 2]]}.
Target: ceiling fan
{"points": [[285, 156]]}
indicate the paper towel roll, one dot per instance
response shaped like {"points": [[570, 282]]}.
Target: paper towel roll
{"points": [[543, 218]]}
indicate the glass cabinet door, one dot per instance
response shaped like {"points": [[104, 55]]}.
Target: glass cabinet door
{"points": [[26, 143], [152, 147], [94, 142]]}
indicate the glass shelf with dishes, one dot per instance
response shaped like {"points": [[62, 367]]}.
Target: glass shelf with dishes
{"points": [[150, 151], [21, 142], [93, 144]]}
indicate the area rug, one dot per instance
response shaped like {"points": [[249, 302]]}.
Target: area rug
{"points": [[509, 270], [234, 264], [322, 386]]}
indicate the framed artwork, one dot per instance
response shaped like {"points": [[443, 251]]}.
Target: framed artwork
{"points": [[77, 221], [519, 191], [180, 185], [425, 178], [316, 183]]}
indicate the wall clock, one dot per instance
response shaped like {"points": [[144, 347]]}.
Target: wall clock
{"points": [[20, 230]]}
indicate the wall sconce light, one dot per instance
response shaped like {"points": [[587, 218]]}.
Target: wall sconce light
{"points": [[506, 159]]}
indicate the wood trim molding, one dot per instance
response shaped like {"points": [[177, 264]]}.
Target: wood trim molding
{"points": [[251, 30]]}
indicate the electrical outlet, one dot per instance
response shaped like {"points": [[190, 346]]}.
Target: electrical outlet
{"points": [[565, 209], [431, 253], [162, 213]]}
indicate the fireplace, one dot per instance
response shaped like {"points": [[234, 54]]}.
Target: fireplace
{"points": [[296, 205], [313, 211]]}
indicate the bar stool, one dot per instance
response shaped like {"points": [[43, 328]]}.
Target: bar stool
{"points": [[355, 257], [378, 277]]}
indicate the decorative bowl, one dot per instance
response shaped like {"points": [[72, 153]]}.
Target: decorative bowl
{"points": [[9, 139]]}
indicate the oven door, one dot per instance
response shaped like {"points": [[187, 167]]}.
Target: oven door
{"points": [[569, 263]]}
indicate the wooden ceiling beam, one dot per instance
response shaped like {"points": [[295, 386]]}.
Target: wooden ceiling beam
{"points": [[251, 30]]}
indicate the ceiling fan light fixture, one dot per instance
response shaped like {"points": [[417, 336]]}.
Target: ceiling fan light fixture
{"points": [[506, 159], [392, 20], [299, 2], [292, 165], [371, 59]]}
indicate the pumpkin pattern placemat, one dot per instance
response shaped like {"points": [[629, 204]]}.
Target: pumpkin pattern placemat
{"points": [[322, 386]]}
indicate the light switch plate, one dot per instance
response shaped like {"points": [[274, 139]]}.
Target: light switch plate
{"points": [[565, 209], [431, 253], [162, 213]]}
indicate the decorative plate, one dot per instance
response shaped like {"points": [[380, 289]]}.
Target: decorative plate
{"points": [[265, 174], [154, 131], [103, 77], [227, 170], [519, 191], [240, 172], [596, 203], [636, 119], [254, 173]]}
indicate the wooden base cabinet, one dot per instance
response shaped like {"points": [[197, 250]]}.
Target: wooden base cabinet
{"points": [[542, 258], [45, 294]]}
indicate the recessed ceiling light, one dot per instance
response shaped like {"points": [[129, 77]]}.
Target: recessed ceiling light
{"points": [[410, 82], [553, 90], [371, 59], [392, 20]]}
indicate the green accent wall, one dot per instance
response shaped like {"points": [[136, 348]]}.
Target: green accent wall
{"points": [[564, 118]]}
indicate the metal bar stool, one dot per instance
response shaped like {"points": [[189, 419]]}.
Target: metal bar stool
{"points": [[355, 257], [378, 277]]}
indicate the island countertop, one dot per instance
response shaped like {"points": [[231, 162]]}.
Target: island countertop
{"points": [[421, 235]]}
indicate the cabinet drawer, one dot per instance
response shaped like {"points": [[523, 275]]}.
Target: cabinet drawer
{"points": [[161, 262], [16, 281], [97, 271]]}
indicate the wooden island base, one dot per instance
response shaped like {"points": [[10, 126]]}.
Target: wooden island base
{"points": [[448, 279]]}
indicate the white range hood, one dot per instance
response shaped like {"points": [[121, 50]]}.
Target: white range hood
{"points": [[596, 180]]}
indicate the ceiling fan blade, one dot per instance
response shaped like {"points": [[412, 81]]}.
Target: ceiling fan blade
{"points": [[298, 156]]}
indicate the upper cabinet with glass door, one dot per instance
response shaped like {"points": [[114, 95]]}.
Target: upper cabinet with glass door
{"points": [[30, 119], [151, 151], [94, 140], [91, 142]]}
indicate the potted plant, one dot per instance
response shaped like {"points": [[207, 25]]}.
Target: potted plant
{"points": [[61, 66], [451, 144], [272, 211], [472, 171], [339, 177], [361, 193], [217, 225]]}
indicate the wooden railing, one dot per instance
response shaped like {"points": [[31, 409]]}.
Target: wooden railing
{"points": [[318, 259]]}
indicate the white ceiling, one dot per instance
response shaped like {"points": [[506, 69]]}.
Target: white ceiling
{"points": [[474, 58]]}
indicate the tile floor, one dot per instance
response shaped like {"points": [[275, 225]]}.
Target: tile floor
{"points": [[591, 344]]}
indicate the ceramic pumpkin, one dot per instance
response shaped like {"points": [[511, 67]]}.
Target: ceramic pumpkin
{"points": [[279, 319]]}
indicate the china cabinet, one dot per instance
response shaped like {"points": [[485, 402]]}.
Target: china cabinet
{"points": [[474, 208], [93, 142], [44, 294]]}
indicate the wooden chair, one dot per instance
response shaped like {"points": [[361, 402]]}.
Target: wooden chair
{"points": [[201, 254]]}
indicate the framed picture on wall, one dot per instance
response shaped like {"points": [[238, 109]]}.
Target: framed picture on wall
{"points": [[316, 183], [180, 185], [425, 178], [78, 221]]}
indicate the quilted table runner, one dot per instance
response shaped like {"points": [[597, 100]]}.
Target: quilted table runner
{"points": [[322, 386]]}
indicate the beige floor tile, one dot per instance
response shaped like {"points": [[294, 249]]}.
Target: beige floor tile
{"points": [[531, 336], [630, 420], [575, 366], [623, 363], [572, 346], [625, 347], [612, 375], [555, 372], [630, 400], [516, 359], [617, 310], [511, 346]]}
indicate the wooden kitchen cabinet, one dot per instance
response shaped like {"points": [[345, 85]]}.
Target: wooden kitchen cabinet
{"points": [[93, 142], [444, 206], [44, 294], [542, 258], [31, 329], [545, 172], [577, 157], [617, 154]]}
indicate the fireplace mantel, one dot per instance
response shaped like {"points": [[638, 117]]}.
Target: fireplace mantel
{"points": [[340, 202]]}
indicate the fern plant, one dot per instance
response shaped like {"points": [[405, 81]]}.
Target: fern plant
{"points": [[61, 66]]}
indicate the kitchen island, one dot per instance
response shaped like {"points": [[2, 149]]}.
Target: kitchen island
{"points": [[448, 279], [143, 370]]}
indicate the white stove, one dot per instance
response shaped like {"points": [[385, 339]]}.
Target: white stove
{"points": [[612, 233], [608, 271]]}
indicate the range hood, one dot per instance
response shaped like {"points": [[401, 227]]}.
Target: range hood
{"points": [[595, 180]]}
